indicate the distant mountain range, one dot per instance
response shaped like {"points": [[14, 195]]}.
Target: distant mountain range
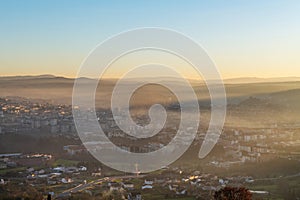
{"points": [[282, 91], [27, 77], [261, 80], [226, 81]]}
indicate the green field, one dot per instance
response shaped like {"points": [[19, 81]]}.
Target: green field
{"points": [[64, 162], [14, 170]]}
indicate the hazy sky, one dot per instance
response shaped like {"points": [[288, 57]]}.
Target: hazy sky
{"points": [[244, 38]]}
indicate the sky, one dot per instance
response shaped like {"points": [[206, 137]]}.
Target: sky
{"points": [[244, 38]]}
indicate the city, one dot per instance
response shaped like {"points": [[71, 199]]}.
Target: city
{"points": [[149, 100], [72, 171]]}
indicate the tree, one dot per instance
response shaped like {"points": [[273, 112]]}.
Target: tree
{"points": [[232, 193], [13, 191]]}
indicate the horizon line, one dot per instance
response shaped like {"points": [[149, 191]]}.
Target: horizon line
{"points": [[114, 77]]}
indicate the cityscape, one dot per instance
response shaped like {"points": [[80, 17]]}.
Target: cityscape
{"points": [[149, 100], [63, 167]]}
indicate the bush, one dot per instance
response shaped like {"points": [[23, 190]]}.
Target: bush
{"points": [[232, 193]]}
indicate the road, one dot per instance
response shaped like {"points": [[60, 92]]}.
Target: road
{"points": [[82, 187], [277, 178]]}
